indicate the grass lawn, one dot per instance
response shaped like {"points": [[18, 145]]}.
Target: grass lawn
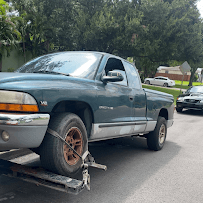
{"points": [[185, 84], [175, 93]]}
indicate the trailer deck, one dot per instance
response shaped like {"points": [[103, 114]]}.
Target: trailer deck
{"points": [[43, 177], [40, 176]]}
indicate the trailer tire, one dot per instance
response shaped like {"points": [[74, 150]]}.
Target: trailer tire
{"points": [[55, 155], [156, 138]]}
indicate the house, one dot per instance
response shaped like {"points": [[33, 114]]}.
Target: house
{"points": [[173, 73], [200, 75]]}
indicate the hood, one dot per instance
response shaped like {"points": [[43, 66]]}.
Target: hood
{"points": [[28, 82], [14, 77], [189, 97], [194, 96]]}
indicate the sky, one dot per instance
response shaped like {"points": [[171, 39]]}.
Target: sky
{"points": [[200, 7]]}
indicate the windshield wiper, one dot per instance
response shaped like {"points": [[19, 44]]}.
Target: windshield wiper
{"points": [[51, 72]]}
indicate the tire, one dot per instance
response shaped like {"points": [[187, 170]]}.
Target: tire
{"points": [[165, 84], [147, 82], [179, 109], [54, 154], [156, 138]]}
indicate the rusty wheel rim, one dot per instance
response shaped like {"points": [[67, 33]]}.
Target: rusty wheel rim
{"points": [[162, 134], [74, 139]]}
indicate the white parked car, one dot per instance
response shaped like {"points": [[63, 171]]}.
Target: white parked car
{"points": [[163, 81]]}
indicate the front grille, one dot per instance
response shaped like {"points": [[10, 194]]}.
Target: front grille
{"points": [[192, 100]]}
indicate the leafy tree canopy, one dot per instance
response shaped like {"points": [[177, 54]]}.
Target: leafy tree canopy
{"points": [[153, 32], [9, 35]]}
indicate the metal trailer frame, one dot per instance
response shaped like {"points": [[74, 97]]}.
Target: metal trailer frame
{"points": [[43, 177], [40, 176]]}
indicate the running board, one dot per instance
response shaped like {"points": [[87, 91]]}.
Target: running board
{"points": [[40, 176]]}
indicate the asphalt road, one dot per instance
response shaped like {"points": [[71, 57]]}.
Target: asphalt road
{"points": [[135, 174]]}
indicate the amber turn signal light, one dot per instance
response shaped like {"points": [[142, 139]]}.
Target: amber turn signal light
{"points": [[19, 107]]}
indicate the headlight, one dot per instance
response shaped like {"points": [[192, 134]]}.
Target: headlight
{"points": [[17, 101], [180, 99]]}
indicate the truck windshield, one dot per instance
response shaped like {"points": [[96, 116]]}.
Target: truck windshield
{"points": [[76, 64]]}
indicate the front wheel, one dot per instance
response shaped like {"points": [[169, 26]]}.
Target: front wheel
{"points": [[179, 109], [156, 138], [165, 84], [55, 155]]}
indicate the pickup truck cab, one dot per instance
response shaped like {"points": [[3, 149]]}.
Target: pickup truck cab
{"points": [[83, 97]]}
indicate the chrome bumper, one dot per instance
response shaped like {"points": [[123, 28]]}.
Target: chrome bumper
{"points": [[24, 119], [25, 130]]}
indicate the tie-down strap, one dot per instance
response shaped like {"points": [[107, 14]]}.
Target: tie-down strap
{"points": [[87, 160]]}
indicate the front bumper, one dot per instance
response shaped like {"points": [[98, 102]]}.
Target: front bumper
{"points": [[188, 105], [25, 130]]}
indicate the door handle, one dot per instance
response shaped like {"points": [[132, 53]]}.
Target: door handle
{"points": [[131, 98]]}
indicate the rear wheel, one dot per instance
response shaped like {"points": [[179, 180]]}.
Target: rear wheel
{"points": [[56, 155], [156, 138]]}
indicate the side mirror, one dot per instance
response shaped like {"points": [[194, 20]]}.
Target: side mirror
{"points": [[112, 76]]}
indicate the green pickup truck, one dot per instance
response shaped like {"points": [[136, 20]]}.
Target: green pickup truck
{"points": [[82, 97]]}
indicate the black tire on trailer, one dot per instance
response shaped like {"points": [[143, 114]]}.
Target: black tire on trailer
{"points": [[179, 109], [55, 155], [156, 138]]}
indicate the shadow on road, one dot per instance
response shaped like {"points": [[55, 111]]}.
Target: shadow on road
{"points": [[129, 163], [192, 112]]}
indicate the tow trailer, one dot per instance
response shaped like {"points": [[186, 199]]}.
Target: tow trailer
{"points": [[43, 177]]}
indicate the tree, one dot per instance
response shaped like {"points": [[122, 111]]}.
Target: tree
{"points": [[172, 31], [45, 24], [109, 28], [9, 35], [33, 25], [152, 31]]}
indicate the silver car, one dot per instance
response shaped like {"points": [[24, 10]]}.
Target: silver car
{"points": [[162, 81]]}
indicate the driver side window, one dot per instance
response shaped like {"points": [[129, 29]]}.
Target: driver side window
{"points": [[116, 65]]}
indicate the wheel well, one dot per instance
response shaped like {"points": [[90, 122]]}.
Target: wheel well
{"points": [[164, 113], [82, 109]]}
